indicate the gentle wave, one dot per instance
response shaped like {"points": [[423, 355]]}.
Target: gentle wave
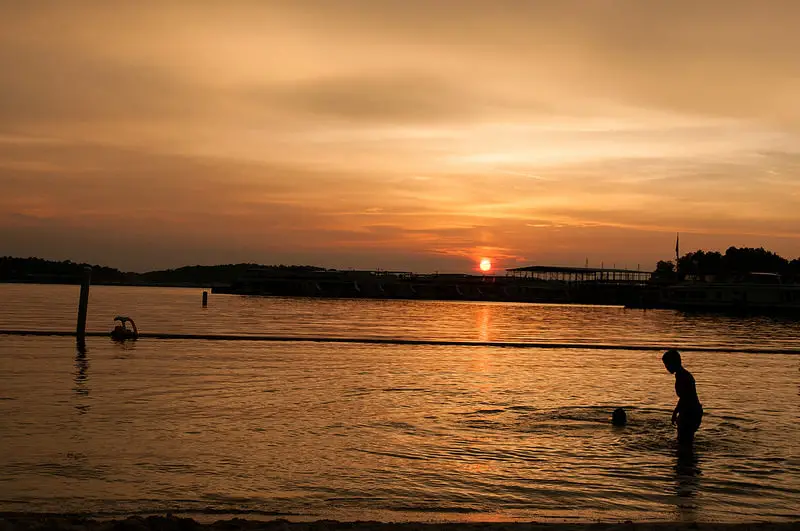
{"points": [[178, 311], [391, 431]]}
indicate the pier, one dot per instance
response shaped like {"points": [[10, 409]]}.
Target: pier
{"points": [[574, 275], [545, 284]]}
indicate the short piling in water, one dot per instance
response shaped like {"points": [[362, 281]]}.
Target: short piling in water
{"points": [[205, 299], [83, 305]]}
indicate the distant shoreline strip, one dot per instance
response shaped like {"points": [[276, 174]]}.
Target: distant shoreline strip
{"points": [[412, 342]]}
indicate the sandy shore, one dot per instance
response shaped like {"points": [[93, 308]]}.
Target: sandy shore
{"points": [[171, 523]]}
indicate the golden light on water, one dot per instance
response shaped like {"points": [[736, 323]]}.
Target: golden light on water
{"points": [[460, 428]]}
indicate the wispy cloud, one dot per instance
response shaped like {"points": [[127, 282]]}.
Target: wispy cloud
{"points": [[394, 134]]}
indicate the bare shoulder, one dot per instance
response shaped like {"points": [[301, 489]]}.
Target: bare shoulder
{"points": [[684, 376]]}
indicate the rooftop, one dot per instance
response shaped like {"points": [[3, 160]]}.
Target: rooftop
{"points": [[567, 269]]}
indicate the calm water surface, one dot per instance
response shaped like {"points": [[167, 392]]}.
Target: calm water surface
{"points": [[391, 432]]}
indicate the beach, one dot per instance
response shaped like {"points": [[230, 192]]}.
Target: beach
{"points": [[171, 523]]}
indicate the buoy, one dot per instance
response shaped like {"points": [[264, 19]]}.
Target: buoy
{"points": [[619, 417], [122, 331]]}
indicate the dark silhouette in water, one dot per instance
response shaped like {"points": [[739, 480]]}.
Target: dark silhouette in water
{"points": [[619, 417], [688, 413], [81, 380], [687, 484]]}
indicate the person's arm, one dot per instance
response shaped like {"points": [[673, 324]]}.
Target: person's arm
{"points": [[680, 388]]}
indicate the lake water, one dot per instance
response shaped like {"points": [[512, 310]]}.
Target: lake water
{"points": [[389, 432]]}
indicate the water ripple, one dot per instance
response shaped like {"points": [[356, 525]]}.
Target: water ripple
{"points": [[354, 431]]}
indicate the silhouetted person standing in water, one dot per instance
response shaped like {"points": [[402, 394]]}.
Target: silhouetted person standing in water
{"points": [[688, 413]]}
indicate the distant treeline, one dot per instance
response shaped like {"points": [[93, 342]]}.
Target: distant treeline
{"points": [[67, 272], [735, 263]]}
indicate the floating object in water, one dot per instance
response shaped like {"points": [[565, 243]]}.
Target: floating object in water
{"points": [[123, 331], [205, 298], [619, 417]]}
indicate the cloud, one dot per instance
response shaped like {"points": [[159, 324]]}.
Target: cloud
{"points": [[409, 132], [383, 98]]}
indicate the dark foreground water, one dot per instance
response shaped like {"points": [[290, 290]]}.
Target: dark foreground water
{"points": [[392, 432]]}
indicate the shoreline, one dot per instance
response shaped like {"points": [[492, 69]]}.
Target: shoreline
{"points": [[37, 522]]}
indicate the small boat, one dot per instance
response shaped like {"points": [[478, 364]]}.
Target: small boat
{"points": [[124, 329]]}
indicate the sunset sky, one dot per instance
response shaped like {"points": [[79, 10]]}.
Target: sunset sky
{"points": [[417, 135]]}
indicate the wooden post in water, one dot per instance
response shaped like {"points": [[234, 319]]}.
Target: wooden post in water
{"points": [[205, 298], [83, 305]]}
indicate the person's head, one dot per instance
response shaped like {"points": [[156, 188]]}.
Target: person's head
{"points": [[672, 360], [619, 417]]}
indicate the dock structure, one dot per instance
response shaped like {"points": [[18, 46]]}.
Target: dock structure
{"points": [[540, 284], [573, 275]]}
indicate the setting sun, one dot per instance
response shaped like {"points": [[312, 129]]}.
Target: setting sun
{"points": [[485, 264]]}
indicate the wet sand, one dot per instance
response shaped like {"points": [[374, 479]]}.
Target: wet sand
{"points": [[171, 523]]}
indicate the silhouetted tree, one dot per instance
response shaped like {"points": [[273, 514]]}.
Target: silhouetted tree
{"points": [[735, 263], [665, 271], [748, 260], [664, 266], [39, 270], [793, 271], [67, 272], [700, 264]]}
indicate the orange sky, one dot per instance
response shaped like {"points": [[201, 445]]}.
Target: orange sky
{"points": [[398, 134]]}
